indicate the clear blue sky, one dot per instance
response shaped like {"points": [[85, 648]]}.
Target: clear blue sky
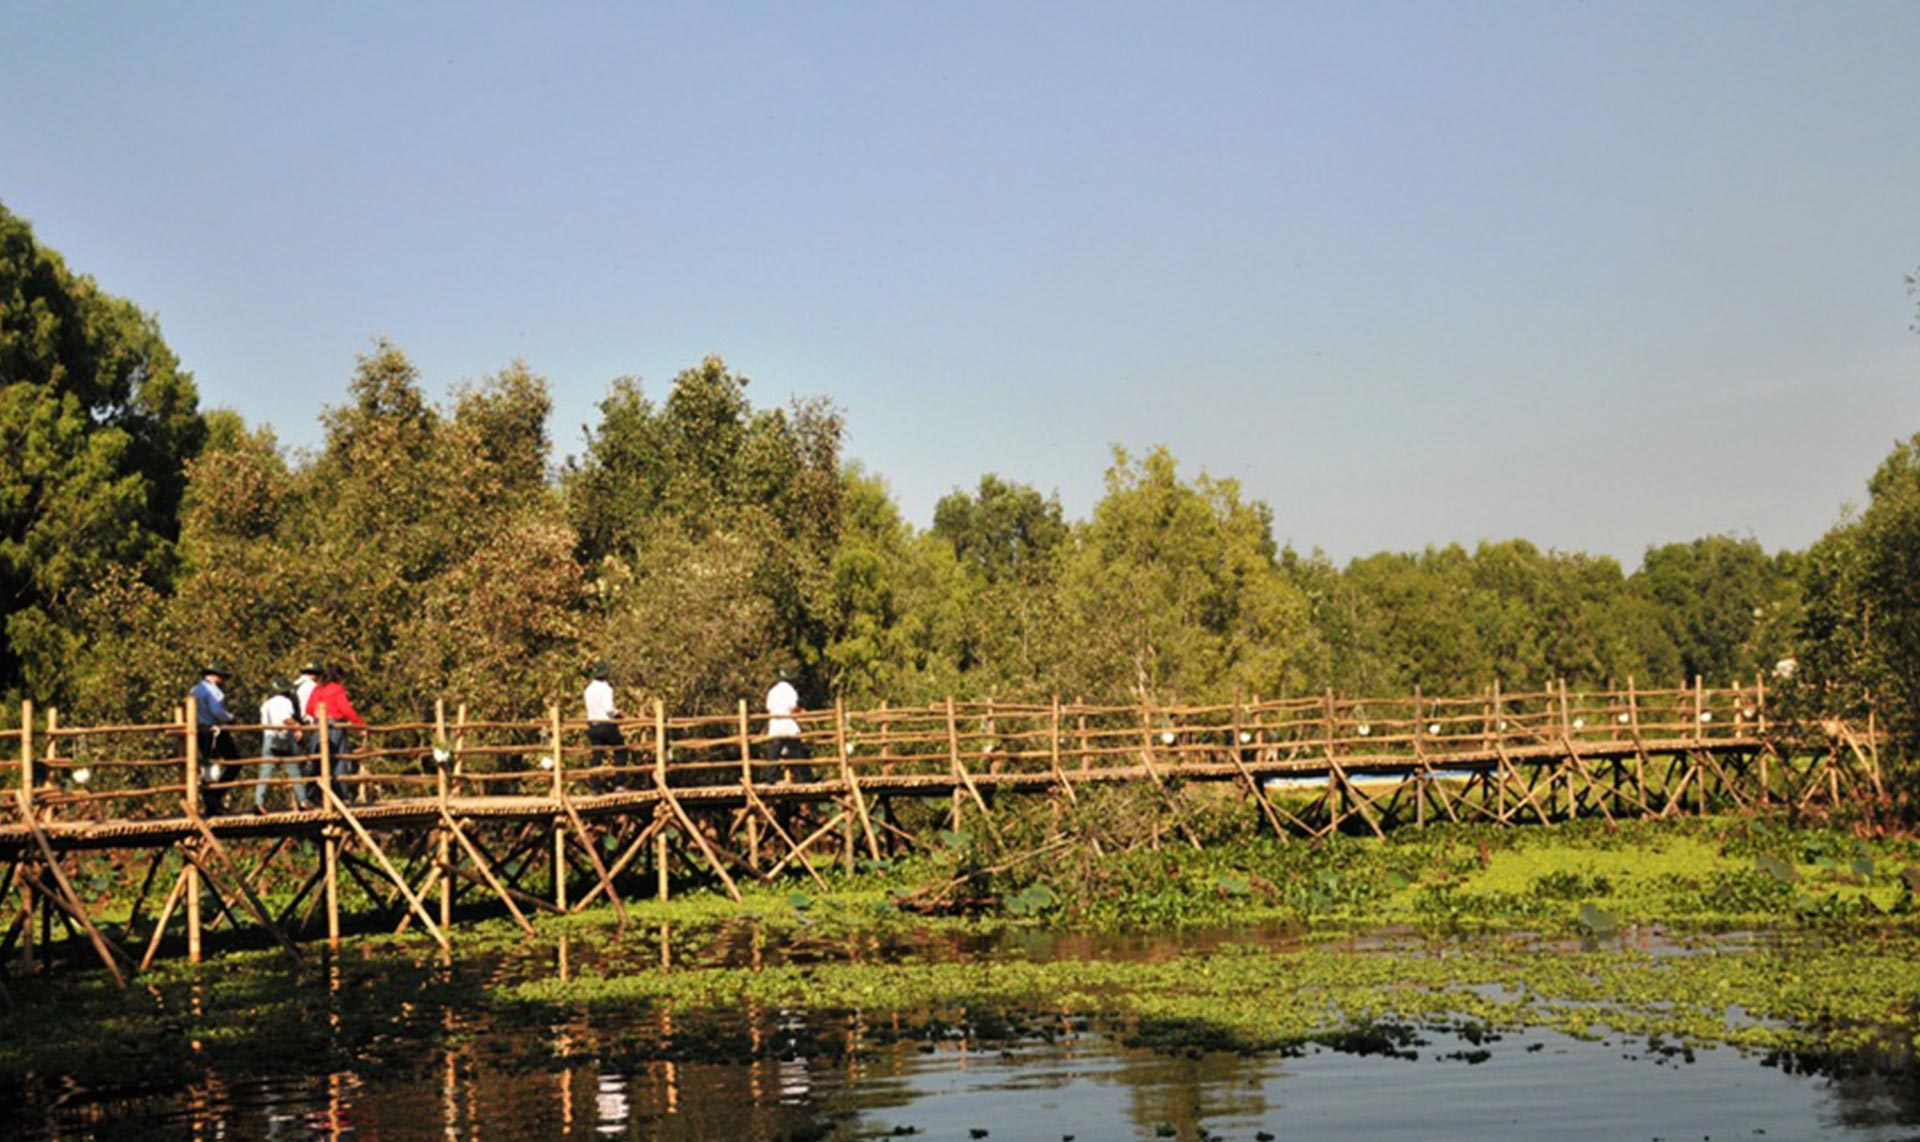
{"points": [[1601, 275]]}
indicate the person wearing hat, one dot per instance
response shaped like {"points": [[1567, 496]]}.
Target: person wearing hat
{"points": [[603, 724], [279, 746], [216, 747], [303, 689]]}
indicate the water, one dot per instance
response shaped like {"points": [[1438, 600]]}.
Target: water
{"points": [[757, 1073], [1083, 1084]]}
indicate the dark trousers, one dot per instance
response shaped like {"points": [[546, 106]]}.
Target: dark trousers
{"points": [[218, 755], [337, 746], [785, 750], [605, 737]]}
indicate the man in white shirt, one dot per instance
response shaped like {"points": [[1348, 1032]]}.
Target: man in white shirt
{"points": [[603, 725], [783, 731], [279, 746]]}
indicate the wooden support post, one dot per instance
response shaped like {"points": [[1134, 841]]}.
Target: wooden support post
{"points": [[640, 843], [192, 874], [25, 792], [166, 914], [211, 844], [593, 857], [1487, 723], [558, 794], [386, 866], [485, 869], [1566, 736], [190, 728], [53, 739], [1420, 762], [746, 787], [1080, 732], [442, 842], [24, 795], [1253, 781], [960, 771], [330, 835], [660, 863], [71, 902], [679, 811], [843, 746], [660, 781], [660, 744], [953, 761], [1699, 733], [1054, 729]]}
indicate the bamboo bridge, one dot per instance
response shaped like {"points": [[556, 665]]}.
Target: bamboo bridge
{"points": [[528, 817]]}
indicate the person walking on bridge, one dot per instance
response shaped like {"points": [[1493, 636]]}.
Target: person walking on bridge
{"points": [[279, 746], [784, 743], [603, 725], [216, 746], [303, 689], [330, 698]]}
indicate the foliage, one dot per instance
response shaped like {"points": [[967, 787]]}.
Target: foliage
{"points": [[709, 528], [700, 543], [97, 423], [1863, 601], [1174, 588]]}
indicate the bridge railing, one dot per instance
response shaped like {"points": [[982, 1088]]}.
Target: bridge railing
{"points": [[131, 772]]}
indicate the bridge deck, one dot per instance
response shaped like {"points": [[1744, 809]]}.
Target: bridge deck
{"points": [[390, 814]]}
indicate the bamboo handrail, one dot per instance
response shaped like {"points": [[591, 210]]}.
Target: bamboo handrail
{"points": [[87, 768]]}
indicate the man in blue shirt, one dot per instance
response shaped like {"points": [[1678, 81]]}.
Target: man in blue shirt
{"points": [[216, 746]]}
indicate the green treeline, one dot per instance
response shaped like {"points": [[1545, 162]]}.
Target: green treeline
{"points": [[700, 542]]}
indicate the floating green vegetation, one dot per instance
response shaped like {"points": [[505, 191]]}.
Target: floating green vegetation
{"points": [[1793, 995], [1249, 944]]}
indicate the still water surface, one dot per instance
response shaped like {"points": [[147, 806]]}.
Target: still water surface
{"points": [[768, 1074]]}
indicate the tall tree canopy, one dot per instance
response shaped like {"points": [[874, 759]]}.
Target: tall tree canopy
{"points": [[709, 527], [97, 424], [1861, 636], [700, 543]]}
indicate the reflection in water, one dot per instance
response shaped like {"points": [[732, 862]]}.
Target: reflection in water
{"points": [[675, 1078], [610, 1103], [457, 1071]]}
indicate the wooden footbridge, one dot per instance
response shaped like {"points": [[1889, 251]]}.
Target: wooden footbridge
{"points": [[530, 817]]}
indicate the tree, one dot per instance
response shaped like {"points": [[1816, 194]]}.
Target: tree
{"points": [[1714, 596], [97, 422], [1006, 530], [706, 500], [1861, 630], [1173, 590], [433, 556]]}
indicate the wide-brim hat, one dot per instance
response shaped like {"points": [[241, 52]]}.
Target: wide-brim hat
{"points": [[602, 671], [218, 670], [312, 668]]}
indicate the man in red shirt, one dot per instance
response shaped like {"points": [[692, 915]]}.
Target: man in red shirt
{"points": [[330, 698]]}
